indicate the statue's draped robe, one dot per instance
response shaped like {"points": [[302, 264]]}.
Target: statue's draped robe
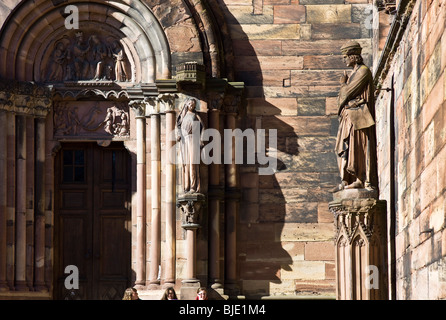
{"points": [[191, 129], [356, 149]]}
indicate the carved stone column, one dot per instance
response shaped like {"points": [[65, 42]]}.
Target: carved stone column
{"points": [[3, 198], [138, 107], [191, 205], [232, 198], [168, 101], [361, 246], [11, 193], [215, 195], [20, 243], [40, 206], [153, 111]]}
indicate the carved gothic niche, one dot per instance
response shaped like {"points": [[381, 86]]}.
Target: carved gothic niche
{"points": [[91, 119], [87, 55]]}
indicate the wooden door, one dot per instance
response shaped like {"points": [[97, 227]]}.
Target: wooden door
{"points": [[92, 220]]}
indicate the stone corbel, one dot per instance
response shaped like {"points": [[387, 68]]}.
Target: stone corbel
{"points": [[191, 206]]}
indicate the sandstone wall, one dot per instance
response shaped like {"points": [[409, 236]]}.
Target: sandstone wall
{"points": [[417, 69], [287, 53]]}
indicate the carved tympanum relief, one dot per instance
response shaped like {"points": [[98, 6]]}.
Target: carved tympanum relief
{"points": [[84, 56], [93, 119]]}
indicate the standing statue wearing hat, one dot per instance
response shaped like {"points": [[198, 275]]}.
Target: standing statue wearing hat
{"points": [[356, 139]]}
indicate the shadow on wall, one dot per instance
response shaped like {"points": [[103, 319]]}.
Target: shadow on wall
{"points": [[263, 208]]}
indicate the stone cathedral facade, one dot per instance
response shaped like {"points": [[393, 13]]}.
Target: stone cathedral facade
{"points": [[90, 177]]}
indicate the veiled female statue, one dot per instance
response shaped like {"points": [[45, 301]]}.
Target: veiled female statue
{"points": [[190, 129]]}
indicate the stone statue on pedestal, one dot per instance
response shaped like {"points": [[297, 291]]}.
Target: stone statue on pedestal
{"points": [[190, 129], [356, 138], [360, 218]]}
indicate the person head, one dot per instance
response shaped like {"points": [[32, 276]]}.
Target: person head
{"points": [[202, 294], [351, 52], [191, 104], [169, 294], [130, 294]]}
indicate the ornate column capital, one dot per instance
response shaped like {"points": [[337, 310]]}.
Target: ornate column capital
{"points": [[25, 98], [232, 104], [138, 107], [42, 106], [152, 105], [167, 102], [5, 101], [216, 100], [233, 97]]}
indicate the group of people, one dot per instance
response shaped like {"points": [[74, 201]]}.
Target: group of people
{"points": [[169, 294]]}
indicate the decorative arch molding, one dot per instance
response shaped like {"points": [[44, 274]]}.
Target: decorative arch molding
{"points": [[28, 36], [214, 37]]}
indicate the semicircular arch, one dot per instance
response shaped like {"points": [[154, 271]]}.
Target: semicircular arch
{"points": [[28, 37]]}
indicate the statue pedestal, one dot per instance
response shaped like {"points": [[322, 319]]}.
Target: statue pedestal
{"points": [[361, 245], [190, 204]]}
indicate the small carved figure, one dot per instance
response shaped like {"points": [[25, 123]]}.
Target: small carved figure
{"points": [[100, 54], [111, 124], [356, 138], [120, 64], [109, 121], [57, 70], [123, 126], [190, 130], [80, 51]]}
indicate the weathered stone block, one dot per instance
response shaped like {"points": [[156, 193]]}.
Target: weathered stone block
{"points": [[260, 271], [289, 14], [318, 251], [268, 31], [311, 106], [322, 31], [260, 232], [265, 47], [313, 77], [307, 287], [304, 232], [272, 106], [330, 14], [316, 62], [313, 47], [323, 213], [302, 180], [244, 15], [320, 2], [305, 270]]}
